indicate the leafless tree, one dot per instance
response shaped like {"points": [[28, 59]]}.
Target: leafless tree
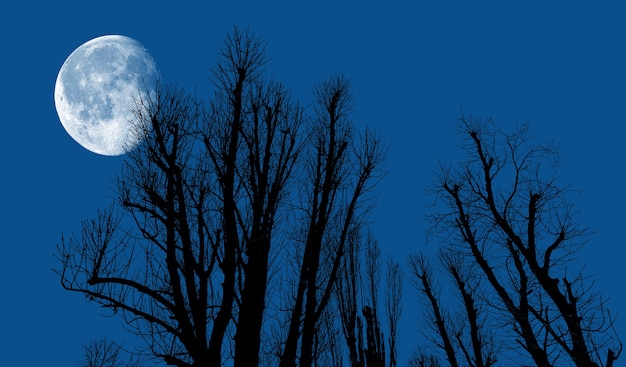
{"points": [[340, 170], [460, 334], [393, 307], [252, 144], [422, 271], [504, 213], [184, 256], [374, 351], [358, 296], [103, 353], [348, 302], [421, 359], [152, 260]]}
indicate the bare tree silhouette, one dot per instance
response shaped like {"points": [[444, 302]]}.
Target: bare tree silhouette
{"points": [[184, 256], [239, 235], [510, 235], [358, 304], [104, 353], [340, 170]]}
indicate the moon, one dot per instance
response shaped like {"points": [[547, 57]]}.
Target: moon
{"points": [[96, 89]]}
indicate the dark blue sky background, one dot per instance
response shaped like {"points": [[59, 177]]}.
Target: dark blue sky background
{"points": [[414, 65]]}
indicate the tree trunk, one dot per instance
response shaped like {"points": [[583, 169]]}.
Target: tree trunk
{"points": [[250, 322]]}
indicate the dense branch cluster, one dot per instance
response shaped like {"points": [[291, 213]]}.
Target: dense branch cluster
{"points": [[240, 237], [214, 194], [509, 233]]}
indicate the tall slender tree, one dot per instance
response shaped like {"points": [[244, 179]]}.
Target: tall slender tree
{"points": [[367, 341], [340, 169]]}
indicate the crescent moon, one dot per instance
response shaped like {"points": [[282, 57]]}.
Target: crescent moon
{"points": [[95, 92]]}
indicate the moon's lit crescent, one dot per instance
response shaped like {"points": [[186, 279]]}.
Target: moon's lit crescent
{"points": [[95, 90]]}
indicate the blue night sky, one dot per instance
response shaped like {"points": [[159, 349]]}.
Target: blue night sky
{"points": [[414, 67]]}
